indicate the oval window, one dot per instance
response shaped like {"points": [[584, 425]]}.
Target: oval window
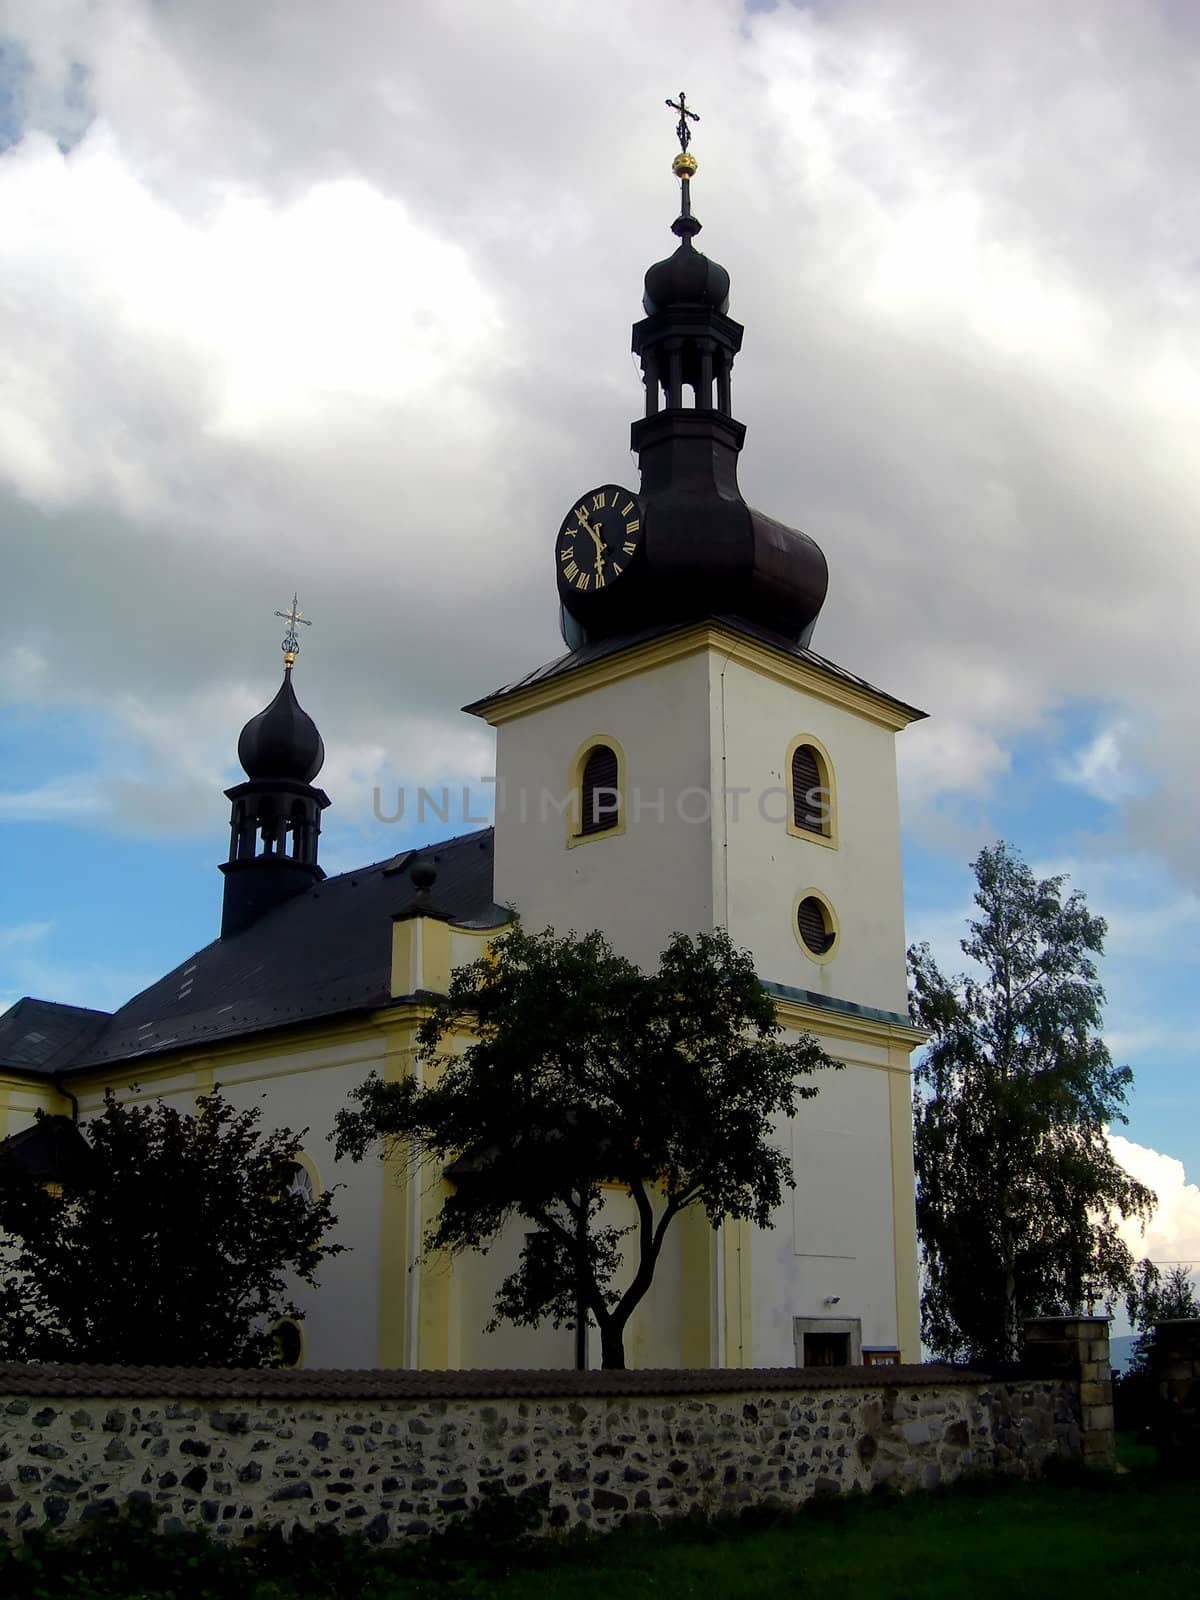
{"points": [[815, 926]]}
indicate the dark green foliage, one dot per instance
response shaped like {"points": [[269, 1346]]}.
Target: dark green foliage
{"points": [[1153, 1298], [581, 1069], [1018, 1191], [168, 1248]]}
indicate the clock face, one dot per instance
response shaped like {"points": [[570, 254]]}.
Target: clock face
{"points": [[599, 537]]}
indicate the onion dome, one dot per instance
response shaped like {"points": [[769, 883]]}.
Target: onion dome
{"points": [[282, 741], [687, 278], [700, 550]]}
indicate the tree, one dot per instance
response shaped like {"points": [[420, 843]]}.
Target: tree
{"points": [[579, 1069], [1154, 1298], [1017, 1186], [166, 1243]]}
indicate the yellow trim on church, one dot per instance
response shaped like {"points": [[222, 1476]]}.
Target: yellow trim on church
{"points": [[904, 1220], [780, 665], [736, 1250], [895, 1038], [698, 1289], [398, 1195]]}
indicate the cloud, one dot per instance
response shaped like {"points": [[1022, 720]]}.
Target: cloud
{"points": [[339, 300], [1173, 1234], [1099, 767], [31, 967], [63, 799], [21, 935]]}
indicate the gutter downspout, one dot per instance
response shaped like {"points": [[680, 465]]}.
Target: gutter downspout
{"points": [[62, 1089]]}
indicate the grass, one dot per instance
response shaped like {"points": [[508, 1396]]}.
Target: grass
{"points": [[1123, 1537], [1099, 1537]]}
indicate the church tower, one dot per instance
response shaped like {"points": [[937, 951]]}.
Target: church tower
{"points": [[275, 825], [692, 763]]}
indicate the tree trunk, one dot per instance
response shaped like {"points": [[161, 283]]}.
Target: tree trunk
{"points": [[612, 1347], [1012, 1322]]}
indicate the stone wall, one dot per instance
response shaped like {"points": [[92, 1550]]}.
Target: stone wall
{"points": [[1175, 1374], [394, 1454]]}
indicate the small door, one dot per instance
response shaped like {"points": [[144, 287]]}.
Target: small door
{"points": [[826, 1349]]}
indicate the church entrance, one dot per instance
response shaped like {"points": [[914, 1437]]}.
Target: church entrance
{"points": [[828, 1341], [826, 1350]]}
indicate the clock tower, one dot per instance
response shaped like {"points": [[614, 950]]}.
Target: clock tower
{"points": [[692, 763]]}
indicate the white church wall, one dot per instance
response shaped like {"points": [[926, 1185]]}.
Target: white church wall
{"points": [[481, 1274], [652, 1335], [764, 867], [301, 1089], [639, 885], [830, 1251], [307, 1090]]}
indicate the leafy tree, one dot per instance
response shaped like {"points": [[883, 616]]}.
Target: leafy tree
{"points": [[167, 1243], [1016, 1183], [578, 1068], [1154, 1298]]}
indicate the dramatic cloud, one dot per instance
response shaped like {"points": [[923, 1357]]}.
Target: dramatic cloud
{"points": [[1173, 1235], [338, 298]]}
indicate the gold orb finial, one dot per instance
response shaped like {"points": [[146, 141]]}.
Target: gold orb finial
{"points": [[684, 165]]}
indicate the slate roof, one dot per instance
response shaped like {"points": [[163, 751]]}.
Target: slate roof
{"points": [[41, 1037], [599, 649], [50, 1149], [391, 1383], [326, 952]]}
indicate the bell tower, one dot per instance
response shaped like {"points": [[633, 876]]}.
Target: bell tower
{"points": [[275, 824], [692, 763], [704, 551]]}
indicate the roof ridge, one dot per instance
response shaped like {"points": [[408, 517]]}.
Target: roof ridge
{"points": [[58, 1005], [417, 850]]}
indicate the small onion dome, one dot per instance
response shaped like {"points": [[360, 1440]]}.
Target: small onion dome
{"points": [[282, 741], [687, 278]]}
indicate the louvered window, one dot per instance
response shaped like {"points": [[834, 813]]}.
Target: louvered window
{"points": [[813, 922], [810, 796], [599, 800]]}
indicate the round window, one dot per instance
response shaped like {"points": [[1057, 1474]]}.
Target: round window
{"points": [[815, 926], [289, 1342]]}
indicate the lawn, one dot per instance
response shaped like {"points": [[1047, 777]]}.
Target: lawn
{"points": [[1105, 1538], [1128, 1537]]}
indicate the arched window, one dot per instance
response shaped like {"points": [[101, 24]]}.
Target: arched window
{"points": [[300, 1181], [599, 791], [812, 802], [816, 926]]}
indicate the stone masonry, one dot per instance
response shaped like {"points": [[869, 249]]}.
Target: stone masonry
{"points": [[394, 1455], [1075, 1349]]}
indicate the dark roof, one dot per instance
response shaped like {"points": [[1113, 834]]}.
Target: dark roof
{"points": [[39, 1036], [599, 649], [325, 952], [51, 1149], [393, 1383]]}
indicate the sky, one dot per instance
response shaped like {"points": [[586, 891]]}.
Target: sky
{"points": [[337, 299]]}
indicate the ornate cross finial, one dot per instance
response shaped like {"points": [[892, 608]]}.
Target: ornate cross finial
{"points": [[291, 642], [682, 132]]}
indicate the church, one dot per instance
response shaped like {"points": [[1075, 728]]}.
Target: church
{"points": [[689, 763]]}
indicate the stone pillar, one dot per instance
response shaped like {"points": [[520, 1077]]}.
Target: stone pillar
{"points": [[1175, 1373], [1076, 1349]]}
